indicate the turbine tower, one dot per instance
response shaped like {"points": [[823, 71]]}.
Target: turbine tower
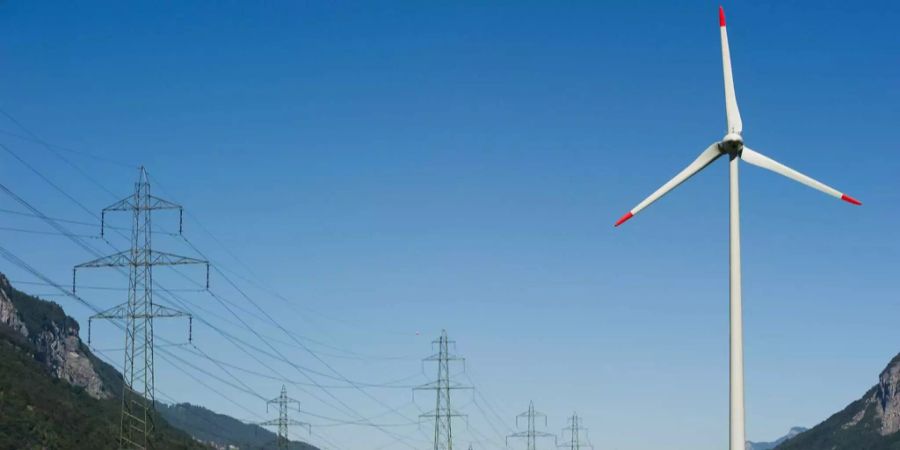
{"points": [[531, 434], [733, 146], [137, 421]]}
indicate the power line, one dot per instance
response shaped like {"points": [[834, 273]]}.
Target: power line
{"points": [[531, 434], [259, 284], [138, 393], [35, 139], [443, 413], [100, 353], [93, 251], [45, 233], [48, 181], [355, 385], [97, 288], [51, 149], [308, 350], [77, 222], [75, 238], [164, 354], [283, 421]]}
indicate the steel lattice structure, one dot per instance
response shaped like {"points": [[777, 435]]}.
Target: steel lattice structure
{"points": [[283, 422], [138, 393], [531, 434], [443, 413], [575, 441]]}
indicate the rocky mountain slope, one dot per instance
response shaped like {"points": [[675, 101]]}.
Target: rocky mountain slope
{"points": [[870, 423], [54, 337], [54, 394]]}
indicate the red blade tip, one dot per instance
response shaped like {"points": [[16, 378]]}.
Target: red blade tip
{"points": [[624, 218], [721, 16], [850, 199]]}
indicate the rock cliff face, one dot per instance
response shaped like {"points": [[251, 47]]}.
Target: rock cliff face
{"points": [[9, 316], [887, 397], [66, 360], [54, 337]]}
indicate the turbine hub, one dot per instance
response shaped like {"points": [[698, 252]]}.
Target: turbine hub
{"points": [[732, 144]]}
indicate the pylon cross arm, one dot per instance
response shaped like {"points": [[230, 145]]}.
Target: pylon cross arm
{"points": [[170, 259], [437, 385], [165, 311], [126, 204], [447, 357], [154, 202], [119, 311], [118, 259], [122, 311], [542, 434], [297, 423], [279, 400], [432, 414], [158, 203]]}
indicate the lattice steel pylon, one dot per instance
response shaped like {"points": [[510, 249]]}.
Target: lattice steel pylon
{"points": [[575, 441], [138, 393], [443, 413], [283, 422], [531, 434]]}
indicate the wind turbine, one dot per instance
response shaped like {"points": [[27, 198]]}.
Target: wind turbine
{"points": [[733, 146]]}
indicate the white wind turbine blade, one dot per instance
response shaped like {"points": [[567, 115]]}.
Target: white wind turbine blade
{"points": [[708, 156], [760, 160], [735, 125]]}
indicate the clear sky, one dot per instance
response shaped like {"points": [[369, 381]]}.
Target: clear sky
{"points": [[396, 168]]}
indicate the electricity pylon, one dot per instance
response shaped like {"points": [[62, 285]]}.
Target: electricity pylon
{"points": [[575, 441], [443, 413], [531, 434], [283, 421], [136, 426]]}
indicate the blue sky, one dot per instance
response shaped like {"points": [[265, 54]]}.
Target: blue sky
{"points": [[406, 167]]}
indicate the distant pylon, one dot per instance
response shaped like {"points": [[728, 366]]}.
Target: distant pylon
{"points": [[136, 426], [531, 434], [283, 421], [575, 441], [443, 413]]}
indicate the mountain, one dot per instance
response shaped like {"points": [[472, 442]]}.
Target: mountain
{"points": [[220, 430], [770, 445], [55, 394], [870, 423]]}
